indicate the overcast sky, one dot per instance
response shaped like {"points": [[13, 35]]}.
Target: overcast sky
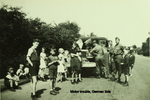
{"points": [[127, 19]]}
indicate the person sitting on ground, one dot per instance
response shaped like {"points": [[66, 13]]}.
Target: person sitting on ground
{"points": [[20, 72], [11, 80], [26, 72]]}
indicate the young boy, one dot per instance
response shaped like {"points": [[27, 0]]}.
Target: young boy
{"points": [[126, 68], [20, 72], [34, 61], [52, 64], [26, 72], [131, 61], [11, 80]]}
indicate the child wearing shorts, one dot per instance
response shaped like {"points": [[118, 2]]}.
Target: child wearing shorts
{"points": [[52, 65]]}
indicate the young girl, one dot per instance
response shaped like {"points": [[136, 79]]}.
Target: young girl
{"points": [[11, 80], [61, 66], [79, 69], [42, 64], [52, 64], [67, 60], [74, 63]]}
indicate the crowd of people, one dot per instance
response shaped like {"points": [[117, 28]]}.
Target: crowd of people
{"points": [[113, 61], [109, 61]]}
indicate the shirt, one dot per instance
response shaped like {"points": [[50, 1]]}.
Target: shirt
{"points": [[97, 51], [19, 71], [32, 53], [12, 77], [118, 49], [51, 59]]}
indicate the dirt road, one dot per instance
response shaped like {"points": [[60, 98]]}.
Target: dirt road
{"points": [[92, 88]]}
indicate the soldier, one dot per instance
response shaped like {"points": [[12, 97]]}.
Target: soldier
{"points": [[118, 57], [98, 52], [105, 62], [112, 67]]}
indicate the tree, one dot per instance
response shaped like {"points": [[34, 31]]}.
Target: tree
{"points": [[17, 33], [146, 47]]}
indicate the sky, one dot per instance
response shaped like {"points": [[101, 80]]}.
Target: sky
{"points": [[127, 19]]}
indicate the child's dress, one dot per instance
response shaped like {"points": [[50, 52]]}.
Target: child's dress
{"points": [[42, 60], [61, 67]]}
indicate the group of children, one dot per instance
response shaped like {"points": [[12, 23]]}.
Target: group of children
{"points": [[37, 65], [11, 80]]}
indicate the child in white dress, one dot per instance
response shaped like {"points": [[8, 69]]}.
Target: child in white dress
{"points": [[61, 68], [67, 60], [42, 64]]}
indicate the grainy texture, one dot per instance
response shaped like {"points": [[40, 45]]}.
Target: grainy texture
{"points": [[139, 87]]}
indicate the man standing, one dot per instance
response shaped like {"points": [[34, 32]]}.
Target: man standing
{"points": [[118, 57], [33, 60], [98, 52]]}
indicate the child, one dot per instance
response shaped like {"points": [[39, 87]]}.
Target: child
{"points": [[79, 54], [11, 80], [131, 61], [67, 60], [52, 64], [20, 72], [126, 68], [61, 68], [74, 63], [26, 72], [33, 60], [42, 64]]}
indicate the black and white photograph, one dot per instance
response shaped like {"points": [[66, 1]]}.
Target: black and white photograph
{"points": [[74, 49]]}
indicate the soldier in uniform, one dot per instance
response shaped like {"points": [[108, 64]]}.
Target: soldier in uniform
{"points": [[118, 57], [98, 52], [34, 61], [112, 67]]}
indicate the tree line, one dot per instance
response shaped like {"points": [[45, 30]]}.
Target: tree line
{"points": [[17, 32]]}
